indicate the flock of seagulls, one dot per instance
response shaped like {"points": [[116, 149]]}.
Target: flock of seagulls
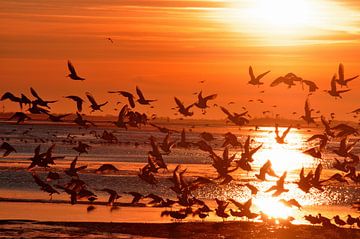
{"points": [[226, 165]]}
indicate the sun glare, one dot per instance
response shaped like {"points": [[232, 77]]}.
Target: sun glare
{"points": [[283, 21], [272, 207], [284, 157]]}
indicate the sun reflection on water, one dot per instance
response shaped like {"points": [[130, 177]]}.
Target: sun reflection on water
{"points": [[272, 207], [284, 157]]}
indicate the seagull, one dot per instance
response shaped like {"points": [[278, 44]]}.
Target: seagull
{"points": [[255, 80], [142, 99], [312, 86], [288, 79], [20, 116], [342, 81], [82, 148], [113, 195], [202, 101], [333, 91], [266, 169], [307, 117], [73, 170], [56, 118], [237, 119], [110, 39], [44, 186], [126, 94], [281, 139], [94, 106], [73, 75], [279, 187], [39, 100], [78, 101], [182, 109], [121, 123]]}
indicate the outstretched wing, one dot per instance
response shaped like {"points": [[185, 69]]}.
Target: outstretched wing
{"points": [[33, 92], [277, 81], [71, 68], [139, 93], [91, 98]]}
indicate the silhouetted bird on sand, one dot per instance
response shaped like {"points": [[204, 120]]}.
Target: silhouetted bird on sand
{"points": [[136, 196], [113, 195], [7, 148], [106, 168], [73, 75]]}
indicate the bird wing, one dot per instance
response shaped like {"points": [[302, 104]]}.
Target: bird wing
{"points": [[333, 83], [33, 92], [73, 163], [139, 93], [179, 103], [251, 73], [91, 98], [71, 68], [210, 97], [262, 75], [341, 72], [225, 111], [277, 81], [286, 131]]}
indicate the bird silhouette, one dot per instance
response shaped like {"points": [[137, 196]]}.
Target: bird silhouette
{"points": [[279, 187], [333, 91], [94, 106], [255, 80], [20, 116], [266, 169], [126, 94], [307, 117], [82, 148], [202, 101], [7, 148], [341, 80], [78, 100], [44, 186], [73, 75], [281, 139], [106, 168], [237, 119], [142, 99], [113, 195], [73, 170], [182, 109]]}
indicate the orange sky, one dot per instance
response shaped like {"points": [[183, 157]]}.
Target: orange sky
{"points": [[167, 47]]}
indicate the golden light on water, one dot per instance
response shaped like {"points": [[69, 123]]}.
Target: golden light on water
{"points": [[284, 157], [272, 207]]}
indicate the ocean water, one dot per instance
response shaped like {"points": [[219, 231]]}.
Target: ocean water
{"points": [[16, 181]]}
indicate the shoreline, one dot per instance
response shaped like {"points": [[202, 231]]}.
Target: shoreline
{"points": [[228, 229]]}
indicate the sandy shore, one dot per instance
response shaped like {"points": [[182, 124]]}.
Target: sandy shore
{"points": [[45, 229]]}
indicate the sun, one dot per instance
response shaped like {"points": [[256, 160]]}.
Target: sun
{"points": [[281, 15], [286, 21]]}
